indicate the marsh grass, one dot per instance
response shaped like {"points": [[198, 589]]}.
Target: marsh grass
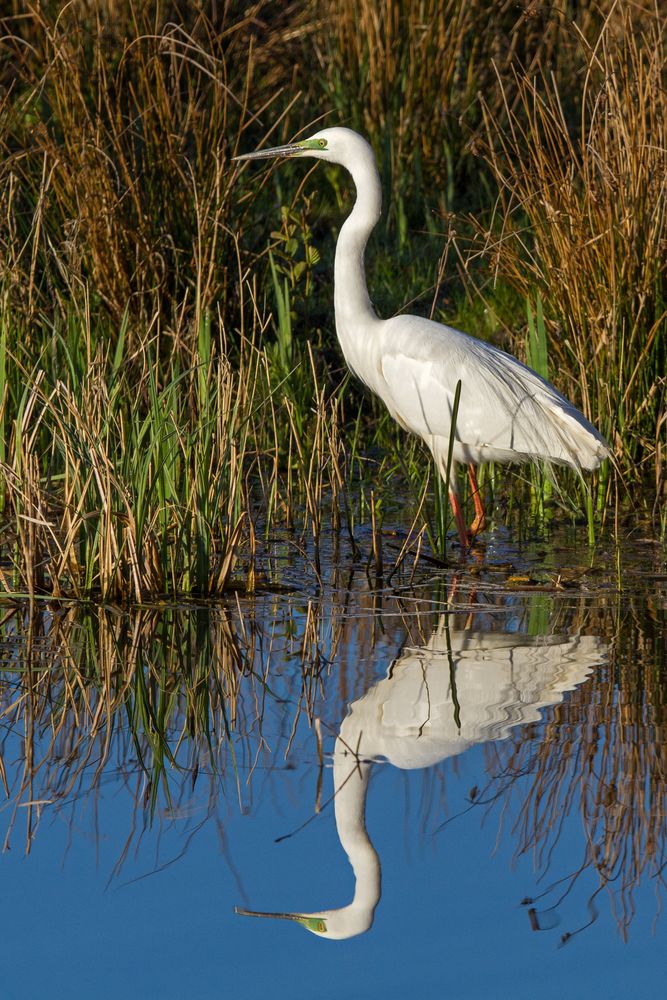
{"points": [[582, 221], [123, 486], [169, 381]]}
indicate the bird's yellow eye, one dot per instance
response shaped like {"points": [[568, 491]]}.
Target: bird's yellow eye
{"points": [[323, 143]]}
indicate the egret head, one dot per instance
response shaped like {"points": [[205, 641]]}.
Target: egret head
{"points": [[335, 925], [337, 145]]}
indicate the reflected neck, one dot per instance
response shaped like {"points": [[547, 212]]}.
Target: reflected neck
{"points": [[351, 785]]}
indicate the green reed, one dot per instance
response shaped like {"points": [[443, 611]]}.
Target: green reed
{"points": [[537, 357]]}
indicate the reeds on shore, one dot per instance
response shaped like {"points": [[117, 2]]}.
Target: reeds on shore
{"points": [[159, 400]]}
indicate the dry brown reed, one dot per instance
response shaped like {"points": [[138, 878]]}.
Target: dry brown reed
{"points": [[410, 76], [116, 147], [581, 221]]}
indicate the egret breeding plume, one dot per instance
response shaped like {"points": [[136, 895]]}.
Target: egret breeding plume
{"points": [[506, 411]]}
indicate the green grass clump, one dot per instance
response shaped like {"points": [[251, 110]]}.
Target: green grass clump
{"points": [[133, 484]]}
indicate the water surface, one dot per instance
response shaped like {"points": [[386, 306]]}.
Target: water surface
{"points": [[497, 742]]}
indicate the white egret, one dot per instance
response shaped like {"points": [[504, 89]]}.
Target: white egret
{"points": [[507, 413], [437, 700]]}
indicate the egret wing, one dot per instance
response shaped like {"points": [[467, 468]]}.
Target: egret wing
{"points": [[506, 410], [420, 393]]}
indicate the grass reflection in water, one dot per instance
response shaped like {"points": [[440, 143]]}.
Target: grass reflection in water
{"points": [[568, 695]]}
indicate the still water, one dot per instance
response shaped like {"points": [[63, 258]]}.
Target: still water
{"points": [[453, 786]]}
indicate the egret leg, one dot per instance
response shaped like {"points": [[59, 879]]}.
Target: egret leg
{"points": [[479, 524], [460, 520]]}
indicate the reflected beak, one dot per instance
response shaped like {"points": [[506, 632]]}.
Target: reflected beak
{"points": [[264, 154], [257, 913], [312, 922], [274, 916]]}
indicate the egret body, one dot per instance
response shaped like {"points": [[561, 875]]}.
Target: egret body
{"points": [[506, 413]]}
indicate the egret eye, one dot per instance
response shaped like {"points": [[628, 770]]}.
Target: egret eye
{"points": [[315, 924], [323, 143]]}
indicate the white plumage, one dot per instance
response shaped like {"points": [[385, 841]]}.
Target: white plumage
{"points": [[507, 413]]}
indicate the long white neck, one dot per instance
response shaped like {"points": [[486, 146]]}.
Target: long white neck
{"points": [[352, 305], [351, 784]]}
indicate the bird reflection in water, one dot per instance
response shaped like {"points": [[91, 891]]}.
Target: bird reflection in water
{"points": [[460, 689]]}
